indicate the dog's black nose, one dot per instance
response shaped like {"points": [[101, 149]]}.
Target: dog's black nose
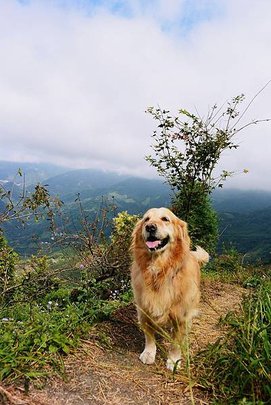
{"points": [[151, 228]]}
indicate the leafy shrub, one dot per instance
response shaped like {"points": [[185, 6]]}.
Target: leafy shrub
{"points": [[202, 218], [105, 268], [24, 205], [36, 280], [238, 365], [123, 226]]}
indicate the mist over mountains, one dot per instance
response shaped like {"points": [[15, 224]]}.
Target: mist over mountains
{"points": [[244, 215]]}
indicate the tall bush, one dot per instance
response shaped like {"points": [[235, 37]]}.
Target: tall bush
{"points": [[203, 220], [187, 149]]}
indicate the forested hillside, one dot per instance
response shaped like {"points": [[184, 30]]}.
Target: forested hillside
{"points": [[244, 216], [241, 201]]}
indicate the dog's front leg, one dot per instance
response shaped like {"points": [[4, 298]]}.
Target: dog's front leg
{"points": [[149, 352], [175, 353]]}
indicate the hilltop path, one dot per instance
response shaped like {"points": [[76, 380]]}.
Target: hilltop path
{"points": [[106, 369]]}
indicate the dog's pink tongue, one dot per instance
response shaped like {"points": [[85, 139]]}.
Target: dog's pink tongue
{"points": [[153, 244]]}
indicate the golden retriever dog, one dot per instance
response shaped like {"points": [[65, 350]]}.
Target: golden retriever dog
{"points": [[165, 278]]}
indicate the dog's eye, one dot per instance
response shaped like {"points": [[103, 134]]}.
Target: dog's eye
{"points": [[146, 219], [165, 219]]}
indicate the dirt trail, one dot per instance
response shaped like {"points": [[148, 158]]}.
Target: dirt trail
{"points": [[106, 369]]}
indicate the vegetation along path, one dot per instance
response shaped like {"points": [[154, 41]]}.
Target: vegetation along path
{"points": [[106, 369]]}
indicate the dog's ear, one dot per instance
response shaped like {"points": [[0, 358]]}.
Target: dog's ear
{"points": [[183, 227], [137, 230]]}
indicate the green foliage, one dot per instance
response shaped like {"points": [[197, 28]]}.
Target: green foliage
{"points": [[31, 340], [229, 261], [229, 267], [45, 316], [238, 365], [40, 197], [22, 205], [34, 280], [42, 314], [253, 281], [249, 232], [34, 335], [8, 260], [124, 224], [187, 149], [202, 219], [105, 264], [60, 297]]}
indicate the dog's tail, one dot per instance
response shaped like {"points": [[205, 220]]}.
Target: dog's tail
{"points": [[201, 255]]}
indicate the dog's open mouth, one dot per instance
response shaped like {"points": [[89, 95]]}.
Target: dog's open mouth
{"points": [[156, 244]]}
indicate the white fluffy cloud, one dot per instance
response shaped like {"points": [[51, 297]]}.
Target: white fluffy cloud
{"points": [[75, 80]]}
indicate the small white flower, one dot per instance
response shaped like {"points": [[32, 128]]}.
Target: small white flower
{"points": [[49, 305]]}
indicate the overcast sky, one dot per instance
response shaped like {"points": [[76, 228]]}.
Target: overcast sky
{"points": [[77, 76]]}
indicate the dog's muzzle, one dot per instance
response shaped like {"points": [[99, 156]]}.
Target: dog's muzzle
{"points": [[152, 241]]}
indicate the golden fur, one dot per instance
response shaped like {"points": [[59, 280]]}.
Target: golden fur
{"points": [[165, 279]]}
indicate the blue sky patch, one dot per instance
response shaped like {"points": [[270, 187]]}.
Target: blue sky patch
{"points": [[190, 14]]}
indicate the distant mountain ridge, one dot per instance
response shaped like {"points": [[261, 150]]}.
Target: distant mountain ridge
{"points": [[245, 215], [76, 181], [33, 172], [88, 182], [243, 201]]}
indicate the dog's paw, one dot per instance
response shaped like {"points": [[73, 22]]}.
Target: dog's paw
{"points": [[147, 357], [173, 365]]}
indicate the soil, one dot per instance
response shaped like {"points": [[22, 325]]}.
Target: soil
{"points": [[106, 369]]}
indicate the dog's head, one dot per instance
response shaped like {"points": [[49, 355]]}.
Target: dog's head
{"points": [[160, 228]]}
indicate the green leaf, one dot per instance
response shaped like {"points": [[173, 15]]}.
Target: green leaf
{"points": [[53, 349]]}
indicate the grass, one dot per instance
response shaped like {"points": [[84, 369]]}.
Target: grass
{"points": [[237, 366], [229, 268], [34, 338]]}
